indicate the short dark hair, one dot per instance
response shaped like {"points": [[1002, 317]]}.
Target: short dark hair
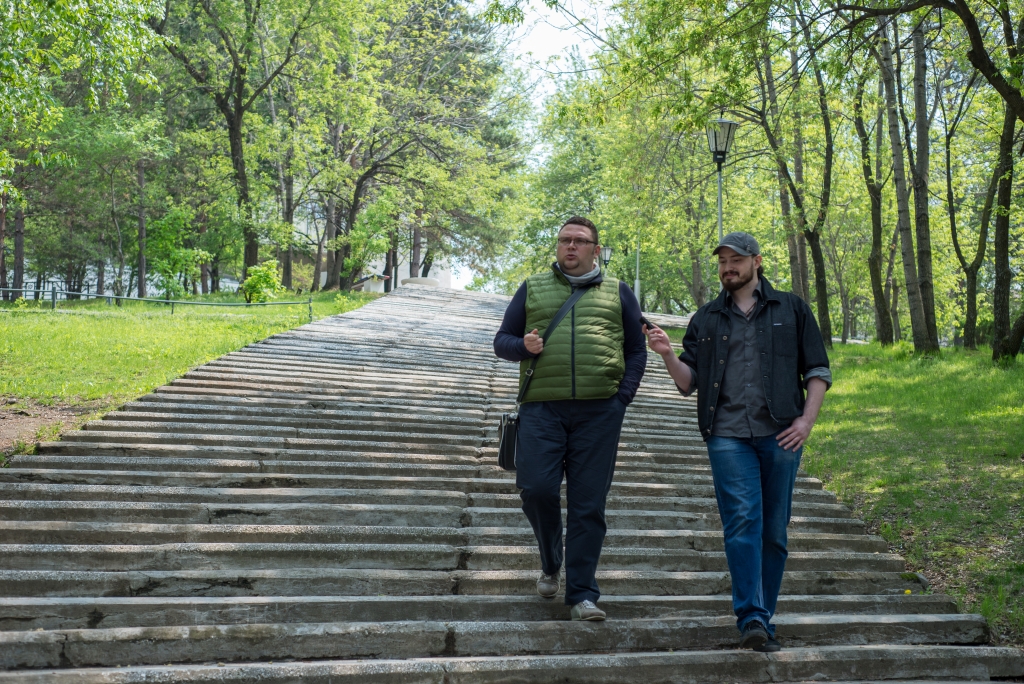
{"points": [[582, 221]]}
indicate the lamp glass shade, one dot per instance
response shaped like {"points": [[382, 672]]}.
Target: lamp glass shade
{"points": [[606, 255], [720, 134]]}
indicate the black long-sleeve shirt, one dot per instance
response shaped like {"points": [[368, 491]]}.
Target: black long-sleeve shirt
{"points": [[509, 345]]}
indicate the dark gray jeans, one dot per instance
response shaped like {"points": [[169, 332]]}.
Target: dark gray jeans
{"points": [[577, 440]]}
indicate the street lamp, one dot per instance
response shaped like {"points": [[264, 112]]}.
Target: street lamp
{"points": [[720, 133], [606, 256]]}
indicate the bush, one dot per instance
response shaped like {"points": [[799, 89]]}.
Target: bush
{"points": [[261, 283]]}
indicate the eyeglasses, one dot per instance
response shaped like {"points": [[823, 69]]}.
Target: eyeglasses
{"points": [[565, 242]]}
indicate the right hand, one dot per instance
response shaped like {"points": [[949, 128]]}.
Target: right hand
{"points": [[658, 341], [533, 341]]}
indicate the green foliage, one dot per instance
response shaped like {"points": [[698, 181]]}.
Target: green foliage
{"points": [[169, 259], [262, 284], [930, 453]]}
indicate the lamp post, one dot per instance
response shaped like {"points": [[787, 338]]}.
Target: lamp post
{"points": [[720, 132], [606, 256]]}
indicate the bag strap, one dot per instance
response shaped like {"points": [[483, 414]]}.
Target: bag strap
{"points": [[569, 303]]}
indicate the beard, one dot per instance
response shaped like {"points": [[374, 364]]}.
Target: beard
{"points": [[739, 280]]}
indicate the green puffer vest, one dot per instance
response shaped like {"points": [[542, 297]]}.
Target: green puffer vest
{"points": [[583, 358]]}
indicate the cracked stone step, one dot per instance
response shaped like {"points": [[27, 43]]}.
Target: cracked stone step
{"points": [[365, 514], [31, 613], [374, 582], [60, 532], [198, 643], [821, 663], [261, 489], [494, 481], [412, 556]]}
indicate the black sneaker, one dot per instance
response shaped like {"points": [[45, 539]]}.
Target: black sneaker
{"points": [[772, 645], [754, 635]]}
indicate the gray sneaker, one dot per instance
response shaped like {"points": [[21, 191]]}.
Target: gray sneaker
{"points": [[587, 610], [547, 585]]}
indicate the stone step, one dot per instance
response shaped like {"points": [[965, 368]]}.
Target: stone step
{"points": [[102, 647], [32, 613], [491, 480], [386, 422], [166, 399], [243, 556], [61, 532], [821, 663], [364, 514], [375, 582], [261, 489], [486, 456]]}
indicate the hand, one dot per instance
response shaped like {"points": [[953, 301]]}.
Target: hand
{"points": [[658, 341], [793, 437], [534, 343]]}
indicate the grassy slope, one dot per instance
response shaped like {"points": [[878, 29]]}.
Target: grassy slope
{"points": [[931, 453], [91, 353]]}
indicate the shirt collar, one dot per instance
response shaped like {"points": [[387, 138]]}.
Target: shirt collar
{"points": [[758, 293]]}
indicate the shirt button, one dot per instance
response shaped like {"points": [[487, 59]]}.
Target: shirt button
{"points": [[716, 384], [725, 337], [723, 361]]}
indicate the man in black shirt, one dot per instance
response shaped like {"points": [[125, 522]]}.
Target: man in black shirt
{"points": [[751, 354]]}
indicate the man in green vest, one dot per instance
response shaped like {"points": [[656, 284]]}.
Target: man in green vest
{"points": [[587, 372]]}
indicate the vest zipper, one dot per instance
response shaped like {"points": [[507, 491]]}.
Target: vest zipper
{"points": [[572, 349]]}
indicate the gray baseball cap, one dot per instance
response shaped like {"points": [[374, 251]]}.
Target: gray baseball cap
{"points": [[742, 243]]}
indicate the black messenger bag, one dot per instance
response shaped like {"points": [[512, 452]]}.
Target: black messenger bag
{"points": [[508, 429]]}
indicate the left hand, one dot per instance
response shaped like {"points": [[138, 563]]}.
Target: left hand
{"points": [[793, 437]]}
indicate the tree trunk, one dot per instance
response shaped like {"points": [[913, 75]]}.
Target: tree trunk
{"points": [[215, 276], [820, 286], [883, 324], [1016, 336], [333, 265], [414, 261], [251, 254], [917, 322], [5, 296], [801, 285], [204, 268], [895, 313], [140, 171], [101, 266], [317, 263], [1001, 248], [922, 224], [784, 201]]}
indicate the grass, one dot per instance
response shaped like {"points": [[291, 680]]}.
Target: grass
{"points": [[930, 452], [89, 353]]}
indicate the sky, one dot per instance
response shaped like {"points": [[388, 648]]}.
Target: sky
{"points": [[541, 47]]}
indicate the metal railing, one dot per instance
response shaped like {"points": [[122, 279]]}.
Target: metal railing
{"points": [[171, 302]]}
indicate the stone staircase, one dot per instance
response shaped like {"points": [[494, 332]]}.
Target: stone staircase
{"points": [[323, 506]]}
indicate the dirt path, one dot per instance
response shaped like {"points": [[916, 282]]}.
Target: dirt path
{"points": [[28, 422]]}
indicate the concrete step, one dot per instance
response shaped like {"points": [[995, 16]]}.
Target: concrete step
{"points": [[61, 532], [32, 613], [822, 663], [410, 556], [364, 514], [20, 484], [493, 480], [374, 582], [103, 647]]}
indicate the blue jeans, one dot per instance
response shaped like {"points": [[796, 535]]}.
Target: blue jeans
{"points": [[577, 440], [754, 481]]}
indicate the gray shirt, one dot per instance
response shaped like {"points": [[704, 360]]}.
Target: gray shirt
{"points": [[742, 409]]}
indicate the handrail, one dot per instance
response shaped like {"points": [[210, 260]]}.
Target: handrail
{"points": [[172, 302]]}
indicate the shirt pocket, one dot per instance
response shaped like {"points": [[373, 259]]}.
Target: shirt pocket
{"points": [[705, 352], [784, 342]]}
